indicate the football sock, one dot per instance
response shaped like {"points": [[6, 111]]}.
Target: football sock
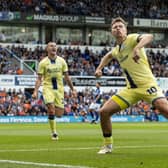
{"points": [[52, 123], [97, 116], [92, 115], [108, 139]]}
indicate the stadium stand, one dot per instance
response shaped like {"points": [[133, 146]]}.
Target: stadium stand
{"points": [[25, 6], [84, 63], [81, 62], [19, 103], [128, 9], [131, 8]]}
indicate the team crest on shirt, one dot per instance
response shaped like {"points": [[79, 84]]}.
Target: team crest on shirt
{"points": [[53, 70]]}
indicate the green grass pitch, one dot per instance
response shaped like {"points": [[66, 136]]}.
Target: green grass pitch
{"points": [[136, 145]]}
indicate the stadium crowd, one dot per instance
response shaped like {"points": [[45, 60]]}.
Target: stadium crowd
{"points": [[127, 8], [80, 62], [83, 63], [37, 6], [20, 103]]}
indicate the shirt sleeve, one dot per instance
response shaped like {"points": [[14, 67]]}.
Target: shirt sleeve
{"points": [[40, 68], [134, 39], [65, 66]]}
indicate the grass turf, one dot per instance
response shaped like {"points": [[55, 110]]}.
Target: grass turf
{"points": [[136, 145]]}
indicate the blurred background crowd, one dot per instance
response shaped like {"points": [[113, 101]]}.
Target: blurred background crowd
{"points": [[81, 62], [20, 103], [127, 8]]}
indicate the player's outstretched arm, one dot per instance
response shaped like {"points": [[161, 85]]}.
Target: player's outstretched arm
{"points": [[104, 61]]}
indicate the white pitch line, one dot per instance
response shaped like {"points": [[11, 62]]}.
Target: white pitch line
{"points": [[46, 149], [141, 147], [41, 164], [82, 148]]}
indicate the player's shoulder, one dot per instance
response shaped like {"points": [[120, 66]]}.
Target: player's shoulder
{"points": [[61, 59], [114, 50], [132, 36], [44, 60], [133, 39]]}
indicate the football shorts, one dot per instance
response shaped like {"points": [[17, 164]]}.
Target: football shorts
{"points": [[94, 106], [53, 96], [128, 97]]}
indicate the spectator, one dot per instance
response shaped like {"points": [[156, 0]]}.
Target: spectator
{"points": [[2, 36]]}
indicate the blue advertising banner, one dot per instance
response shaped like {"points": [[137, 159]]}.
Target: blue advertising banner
{"points": [[162, 119], [36, 119], [24, 80], [67, 119], [8, 16], [23, 119], [71, 119], [128, 118]]}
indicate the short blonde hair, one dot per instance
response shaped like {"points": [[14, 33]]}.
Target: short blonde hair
{"points": [[119, 19]]}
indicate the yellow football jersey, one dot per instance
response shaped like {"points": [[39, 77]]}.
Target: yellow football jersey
{"points": [[52, 72], [137, 74]]}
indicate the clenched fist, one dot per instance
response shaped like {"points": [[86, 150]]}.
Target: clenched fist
{"points": [[98, 73]]}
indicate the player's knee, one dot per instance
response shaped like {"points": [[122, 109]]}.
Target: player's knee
{"points": [[104, 112], [59, 113], [51, 112], [51, 109], [161, 105]]}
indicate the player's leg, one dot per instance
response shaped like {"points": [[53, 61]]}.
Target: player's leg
{"points": [[162, 105], [97, 112], [91, 111], [96, 117], [49, 98], [118, 102], [109, 108], [51, 119], [58, 112], [154, 95], [58, 109], [92, 116]]}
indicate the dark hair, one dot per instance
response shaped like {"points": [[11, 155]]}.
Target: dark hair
{"points": [[119, 19]]}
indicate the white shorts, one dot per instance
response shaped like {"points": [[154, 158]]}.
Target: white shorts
{"points": [[94, 106]]}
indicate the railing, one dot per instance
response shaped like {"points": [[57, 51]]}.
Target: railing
{"points": [[21, 62]]}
